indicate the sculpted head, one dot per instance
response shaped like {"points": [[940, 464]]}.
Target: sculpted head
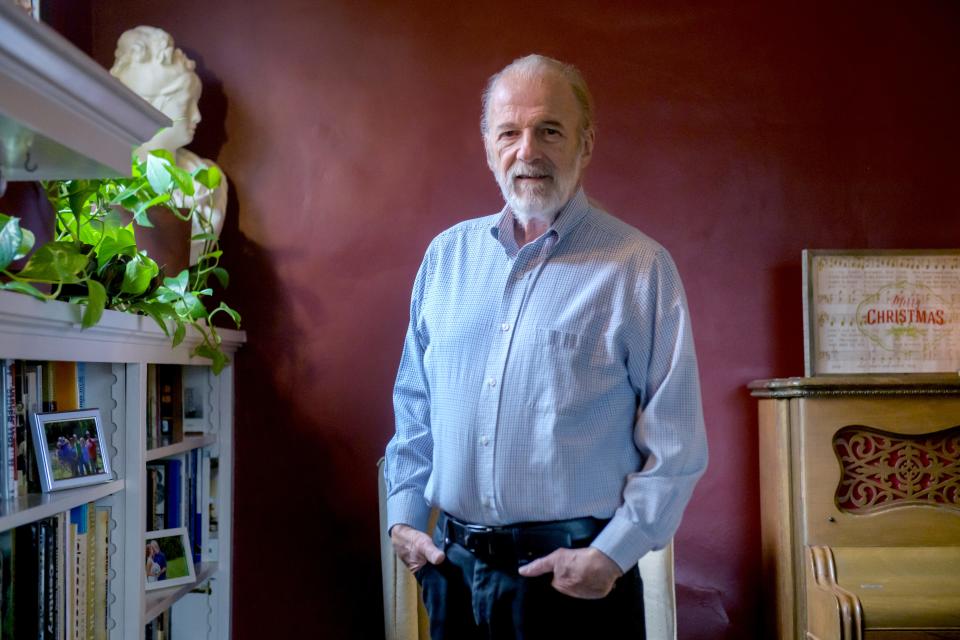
{"points": [[538, 131], [147, 62]]}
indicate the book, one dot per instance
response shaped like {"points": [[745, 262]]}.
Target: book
{"points": [[6, 584], [82, 385], [153, 428], [170, 403], [32, 377], [208, 553], [102, 573], [63, 533], [157, 503], [25, 581], [8, 427], [65, 385], [91, 586], [174, 493], [79, 525]]}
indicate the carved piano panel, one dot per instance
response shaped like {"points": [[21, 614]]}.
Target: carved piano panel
{"points": [[860, 493]]}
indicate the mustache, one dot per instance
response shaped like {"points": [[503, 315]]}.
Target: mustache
{"points": [[530, 170]]}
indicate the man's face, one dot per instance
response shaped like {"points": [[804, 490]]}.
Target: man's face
{"points": [[535, 146]]}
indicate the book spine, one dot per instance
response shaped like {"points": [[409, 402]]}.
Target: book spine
{"points": [[81, 385], [174, 509], [10, 428], [102, 573], [91, 586]]}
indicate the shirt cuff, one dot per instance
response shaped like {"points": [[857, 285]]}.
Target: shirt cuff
{"points": [[623, 542], [408, 507]]}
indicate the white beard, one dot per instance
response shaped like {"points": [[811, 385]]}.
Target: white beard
{"points": [[537, 201]]}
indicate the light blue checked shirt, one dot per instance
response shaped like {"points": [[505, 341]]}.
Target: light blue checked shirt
{"points": [[553, 381]]}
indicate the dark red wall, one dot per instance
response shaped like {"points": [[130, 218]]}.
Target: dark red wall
{"points": [[735, 134]]}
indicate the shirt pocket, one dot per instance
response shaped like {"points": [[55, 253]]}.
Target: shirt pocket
{"points": [[571, 371]]}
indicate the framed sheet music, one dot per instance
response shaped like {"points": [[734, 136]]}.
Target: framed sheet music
{"points": [[894, 311]]}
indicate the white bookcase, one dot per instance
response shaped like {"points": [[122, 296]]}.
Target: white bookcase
{"points": [[117, 352]]}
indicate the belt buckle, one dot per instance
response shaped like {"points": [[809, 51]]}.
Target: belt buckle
{"points": [[477, 538]]}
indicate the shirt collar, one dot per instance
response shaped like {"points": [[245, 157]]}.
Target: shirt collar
{"points": [[567, 219]]}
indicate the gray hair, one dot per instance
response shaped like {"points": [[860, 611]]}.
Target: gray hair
{"points": [[534, 65]]}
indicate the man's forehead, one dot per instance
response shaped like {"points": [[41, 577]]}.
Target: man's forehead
{"points": [[546, 92]]}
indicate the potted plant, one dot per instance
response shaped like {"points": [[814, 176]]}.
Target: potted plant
{"points": [[94, 259]]}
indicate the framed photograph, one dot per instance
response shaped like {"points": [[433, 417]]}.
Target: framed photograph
{"points": [[169, 561], [70, 450], [895, 311]]}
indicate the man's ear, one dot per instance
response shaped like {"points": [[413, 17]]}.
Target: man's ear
{"points": [[589, 137], [488, 151]]}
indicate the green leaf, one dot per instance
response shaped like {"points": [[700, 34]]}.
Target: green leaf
{"points": [[183, 179], [179, 284], [26, 244], [230, 312], [162, 154], [120, 242], [194, 309], [96, 302], [218, 359], [26, 241], [11, 239], [23, 287], [79, 195], [179, 333], [138, 274], [127, 194], [140, 212], [55, 262], [158, 311], [222, 276], [204, 236], [157, 174], [210, 177]]}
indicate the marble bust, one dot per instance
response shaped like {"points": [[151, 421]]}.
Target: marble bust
{"points": [[147, 62]]}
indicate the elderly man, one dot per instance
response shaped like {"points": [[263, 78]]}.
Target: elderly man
{"points": [[547, 400]]}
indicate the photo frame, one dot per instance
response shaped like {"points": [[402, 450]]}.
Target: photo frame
{"points": [[70, 449], [881, 311], [168, 559]]}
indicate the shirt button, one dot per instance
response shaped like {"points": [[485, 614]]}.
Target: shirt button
{"points": [[484, 440], [505, 326], [491, 382]]}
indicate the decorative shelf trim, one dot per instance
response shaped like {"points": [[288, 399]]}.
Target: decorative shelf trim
{"points": [[118, 337], [36, 506]]}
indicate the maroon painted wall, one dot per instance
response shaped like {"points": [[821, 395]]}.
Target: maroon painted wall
{"points": [[735, 134]]}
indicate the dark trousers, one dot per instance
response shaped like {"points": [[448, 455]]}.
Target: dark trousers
{"points": [[469, 599]]}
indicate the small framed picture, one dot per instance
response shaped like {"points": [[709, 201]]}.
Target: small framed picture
{"points": [[169, 561], [70, 449]]}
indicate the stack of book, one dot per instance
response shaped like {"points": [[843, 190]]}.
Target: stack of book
{"points": [[164, 405], [54, 576], [179, 495]]}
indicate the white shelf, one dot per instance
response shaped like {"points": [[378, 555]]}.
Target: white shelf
{"points": [[36, 330], [162, 599], [188, 443], [76, 120], [36, 506]]}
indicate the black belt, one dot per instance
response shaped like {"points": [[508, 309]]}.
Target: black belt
{"points": [[518, 544]]}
